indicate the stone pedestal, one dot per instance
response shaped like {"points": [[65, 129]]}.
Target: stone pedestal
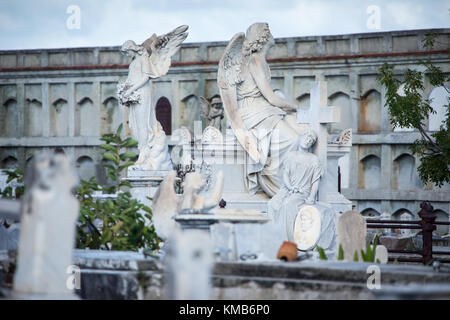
{"points": [[144, 183], [231, 158], [235, 233], [328, 188]]}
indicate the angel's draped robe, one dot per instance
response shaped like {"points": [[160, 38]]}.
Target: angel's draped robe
{"points": [[274, 135]]}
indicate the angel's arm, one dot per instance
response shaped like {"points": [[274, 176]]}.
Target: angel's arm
{"points": [[257, 72], [312, 196], [286, 174], [146, 75]]}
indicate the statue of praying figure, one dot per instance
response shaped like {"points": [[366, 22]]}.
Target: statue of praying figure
{"points": [[301, 174]]}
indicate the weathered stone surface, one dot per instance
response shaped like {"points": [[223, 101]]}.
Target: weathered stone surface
{"points": [[397, 243], [189, 265], [46, 235], [381, 254], [351, 231]]}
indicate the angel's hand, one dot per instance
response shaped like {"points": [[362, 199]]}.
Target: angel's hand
{"points": [[291, 107], [128, 93]]}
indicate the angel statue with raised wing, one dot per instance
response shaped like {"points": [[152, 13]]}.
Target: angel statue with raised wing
{"points": [[150, 60], [259, 117]]}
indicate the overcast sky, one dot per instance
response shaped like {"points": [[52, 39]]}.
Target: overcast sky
{"points": [[32, 24]]}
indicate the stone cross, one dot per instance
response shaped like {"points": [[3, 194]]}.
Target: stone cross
{"points": [[318, 116]]}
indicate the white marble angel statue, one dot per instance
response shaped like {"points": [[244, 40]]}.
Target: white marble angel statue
{"points": [[257, 115], [150, 60]]}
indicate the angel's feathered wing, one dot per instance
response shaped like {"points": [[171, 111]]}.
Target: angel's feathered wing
{"points": [[165, 206], [228, 77], [162, 48], [204, 108]]}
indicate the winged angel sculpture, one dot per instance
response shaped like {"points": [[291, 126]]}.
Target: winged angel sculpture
{"points": [[150, 60], [257, 115]]}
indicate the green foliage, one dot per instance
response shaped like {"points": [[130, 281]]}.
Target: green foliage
{"points": [[369, 254], [340, 256], [411, 109], [13, 192], [322, 254], [117, 161], [114, 223]]}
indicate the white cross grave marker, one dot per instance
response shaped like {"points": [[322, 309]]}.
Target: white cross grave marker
{"points": [[317, 117]]}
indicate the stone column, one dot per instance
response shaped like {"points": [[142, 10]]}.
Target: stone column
{"points": [[289, 87], [175, 104], [45, 109], [71, 101], [354, 99], [20, 96], [96, 106], [385, 119], [386, 166]]}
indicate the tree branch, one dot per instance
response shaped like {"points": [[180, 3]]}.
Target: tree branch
{"points": [[435, 148]]}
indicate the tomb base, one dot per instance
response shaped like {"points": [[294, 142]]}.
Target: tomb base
{"points": [[144, 183], [235, 233]]}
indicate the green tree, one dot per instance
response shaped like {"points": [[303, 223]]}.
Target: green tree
{"points": [[117, 223], [411, 109]]}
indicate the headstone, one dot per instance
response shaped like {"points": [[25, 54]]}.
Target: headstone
{"points": [[351, 232], [189, 265], [381, 254], [47, 231]]}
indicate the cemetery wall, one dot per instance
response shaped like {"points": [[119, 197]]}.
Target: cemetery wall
{"points": [[66, 98]]}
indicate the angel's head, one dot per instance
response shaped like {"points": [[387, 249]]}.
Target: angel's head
{"points": [[258, 36], [130, 48]]}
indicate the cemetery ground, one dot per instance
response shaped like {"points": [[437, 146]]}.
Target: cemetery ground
{"points": [[122, 269]]}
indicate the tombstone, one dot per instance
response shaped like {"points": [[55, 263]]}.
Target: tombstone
{"points": [[189, 265], [47, 232], [351, 232], [381, 254]]}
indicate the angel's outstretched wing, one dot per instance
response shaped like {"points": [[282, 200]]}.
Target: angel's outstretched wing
{"points": [[162, 48], [165, 206], [228, 76], [204, 108]]}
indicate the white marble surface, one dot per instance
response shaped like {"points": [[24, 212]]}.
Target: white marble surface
{"points": [[150, 60], [352, 231], [47, 231]]}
